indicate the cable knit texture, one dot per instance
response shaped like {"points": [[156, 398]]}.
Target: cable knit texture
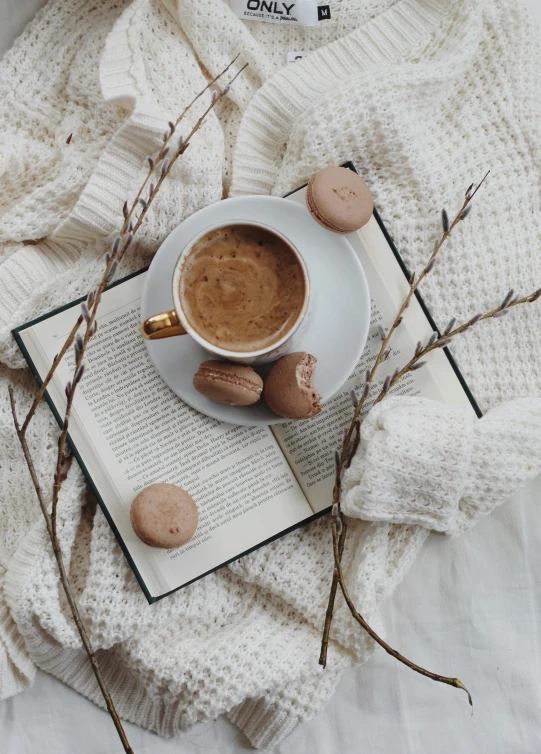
{"points": [[424, 95]]}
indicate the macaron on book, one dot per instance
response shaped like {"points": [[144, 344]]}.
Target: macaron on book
{"points": [[251, 484]]}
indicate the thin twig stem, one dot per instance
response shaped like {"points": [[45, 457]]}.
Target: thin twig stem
{"points": [[168, 139], [332, 597], [58, 358], [415, 282], [65, 580], [456, 682]]}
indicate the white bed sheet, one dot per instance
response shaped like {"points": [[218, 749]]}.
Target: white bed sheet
{"points": [[469, 607]]}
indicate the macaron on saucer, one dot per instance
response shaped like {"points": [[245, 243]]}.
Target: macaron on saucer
{"points": [[339, 316]]}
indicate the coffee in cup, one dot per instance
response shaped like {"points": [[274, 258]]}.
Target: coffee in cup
{"points": [[240, 289]]}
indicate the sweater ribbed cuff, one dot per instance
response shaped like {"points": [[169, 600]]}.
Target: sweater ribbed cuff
{"points": [[264, 724]]}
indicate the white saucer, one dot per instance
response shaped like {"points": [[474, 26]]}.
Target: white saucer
{"points": [[338, 326]]}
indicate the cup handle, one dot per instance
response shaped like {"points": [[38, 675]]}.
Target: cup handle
{"points": [[164, 325]]}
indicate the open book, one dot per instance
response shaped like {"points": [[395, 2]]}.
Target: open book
{"points": [[251, 484]]}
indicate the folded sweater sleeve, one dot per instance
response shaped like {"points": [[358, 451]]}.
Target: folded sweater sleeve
{"points": [[427, 463]]}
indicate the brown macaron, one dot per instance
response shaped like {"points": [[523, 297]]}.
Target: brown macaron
{"points": [[339, 200], [289, 391], [164, 515], [223, 382]]}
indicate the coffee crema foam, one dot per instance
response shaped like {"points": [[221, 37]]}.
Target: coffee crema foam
{"points": [[242, 288]]}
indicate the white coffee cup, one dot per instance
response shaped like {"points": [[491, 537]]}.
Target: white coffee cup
{"points": [[174, 322]]}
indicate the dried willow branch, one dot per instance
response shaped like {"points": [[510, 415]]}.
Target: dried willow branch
{"points": [[160, 166], [351, 435]]}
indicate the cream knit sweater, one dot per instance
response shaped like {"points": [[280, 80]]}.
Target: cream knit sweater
{"points": [[424, 95]]}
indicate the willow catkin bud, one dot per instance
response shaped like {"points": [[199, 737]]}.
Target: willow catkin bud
{"points": [[78, 374], [445, 221], [78, 346], [507, 300], [450, 326], [445, 342], [112, 270]]}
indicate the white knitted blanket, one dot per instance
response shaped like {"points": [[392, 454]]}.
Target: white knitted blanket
{"points": [[424, 95]]}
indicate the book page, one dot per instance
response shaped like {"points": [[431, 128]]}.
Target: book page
{"points": [[131, 430], [308, 445]]}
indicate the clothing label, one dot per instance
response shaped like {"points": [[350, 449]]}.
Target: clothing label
{"points": [[299, 12], [292, 57], [323, 12]]}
